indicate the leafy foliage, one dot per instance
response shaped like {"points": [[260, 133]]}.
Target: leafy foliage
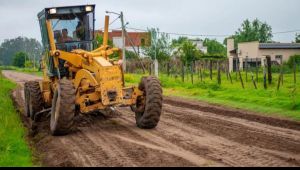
{"points": [[253, 31], [131, 55], [188, 52], [99, 41], [19, 59], [10, 47], [214, 47], [291, 60], [160, 46], [297, 38]]}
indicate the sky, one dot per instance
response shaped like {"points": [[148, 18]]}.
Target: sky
{"points": [[204, 17]]}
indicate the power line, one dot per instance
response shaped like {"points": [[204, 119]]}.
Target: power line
{"points": [[284, 32], [209, 35], [111, 22], [182, 34]]}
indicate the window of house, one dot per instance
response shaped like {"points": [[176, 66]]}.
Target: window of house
{"points": [[278, 57]]}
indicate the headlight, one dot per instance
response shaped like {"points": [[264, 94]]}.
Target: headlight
{"points": [[53, 11], [88, 8]]}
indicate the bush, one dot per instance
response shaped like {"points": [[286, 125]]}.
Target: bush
{"points": [[291, 61]]}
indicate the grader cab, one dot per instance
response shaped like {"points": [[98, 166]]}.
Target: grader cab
{"points": [[81, 78]]}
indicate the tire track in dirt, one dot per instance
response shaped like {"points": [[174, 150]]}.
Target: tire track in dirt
{"points": [[188, 135], [229, 152]]}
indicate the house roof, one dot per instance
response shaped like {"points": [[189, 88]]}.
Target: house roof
{"points": [[279, 45]]}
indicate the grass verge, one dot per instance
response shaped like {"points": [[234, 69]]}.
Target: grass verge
{"points": [[14, 150], [284, 102]]}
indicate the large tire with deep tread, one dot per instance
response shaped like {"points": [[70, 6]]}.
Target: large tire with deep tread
{"points": [[149, 106], [63, 108], [33, 98]]}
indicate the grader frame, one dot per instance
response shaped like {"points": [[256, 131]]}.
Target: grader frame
{"points": [[93, 82]]}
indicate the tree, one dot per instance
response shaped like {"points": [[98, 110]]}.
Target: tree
{"points": [[130, 55], [253, 31], [297, 38], [19, 59], [179, 41], [160, 46], [292, 59], [188, 52], [99, 41], [10, 47], [214, 47]]}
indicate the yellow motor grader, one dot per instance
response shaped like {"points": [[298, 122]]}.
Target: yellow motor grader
{"points": [[79, 77]]}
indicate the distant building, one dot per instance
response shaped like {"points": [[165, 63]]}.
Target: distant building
{"points": [[200, 45], [136, 39], [255, 52]]}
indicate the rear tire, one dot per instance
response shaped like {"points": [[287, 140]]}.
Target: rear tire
{"points": [[149, 106], [63, 108], [33, 98]]}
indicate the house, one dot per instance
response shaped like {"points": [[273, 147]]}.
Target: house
{"points": [[135, 41], [254, 53], [200, 46]]}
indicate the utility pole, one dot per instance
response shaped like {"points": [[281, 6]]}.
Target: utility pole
{"points": [[121, 15], [155, 60], [124, 42]]}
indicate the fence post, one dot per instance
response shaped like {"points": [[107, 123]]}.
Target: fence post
{"points": [[182, 71], [229, 74], [265, 77], [246, 68], [257, 68], [254, 83], [241, 78], [295, 70], [210, 69], [236, 68], [269, 63], [219, 72], [192, 73]]}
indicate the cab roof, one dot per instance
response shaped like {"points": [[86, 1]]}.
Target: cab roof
{"points": [[66, 9]]}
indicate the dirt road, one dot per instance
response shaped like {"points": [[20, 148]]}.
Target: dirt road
{"points": [[189, 134]]}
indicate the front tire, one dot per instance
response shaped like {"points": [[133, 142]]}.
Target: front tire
{"points": [[149, 106], [33, 98], [63, 108]]}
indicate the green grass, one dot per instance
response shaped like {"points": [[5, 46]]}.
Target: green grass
{"points": [[23, 70], [269, 102], [14, 150]]}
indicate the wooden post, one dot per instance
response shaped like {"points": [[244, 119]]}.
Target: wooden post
{"points": [[254, 82], [246, 68], [219, 72], [241, 78], [192, 73], [269, 63], [279, 81], [295, 70], [227, 69], [182, 71], [257, 68], [210, 69], [236, 68], [168, 68], [265, 78], [229, 74]]}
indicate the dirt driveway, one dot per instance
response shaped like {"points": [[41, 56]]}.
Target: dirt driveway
{"points": [[190, 134]]}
